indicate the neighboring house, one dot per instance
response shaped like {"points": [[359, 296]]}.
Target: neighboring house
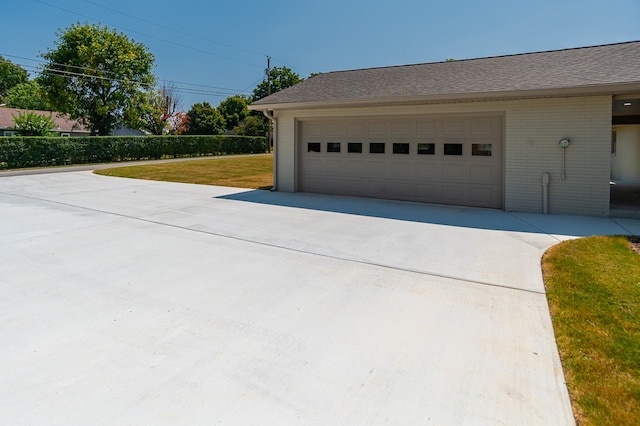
{"points": [[64, 125], [481, 132], [125, 131]]}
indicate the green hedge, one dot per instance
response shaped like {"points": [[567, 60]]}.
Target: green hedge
{"points": [[17, 151]]}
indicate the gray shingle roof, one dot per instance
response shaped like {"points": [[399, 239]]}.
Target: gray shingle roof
{"points": [[580, 68], [63, 122]]}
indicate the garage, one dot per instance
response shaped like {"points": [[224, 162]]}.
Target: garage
{"points": [[434, 159]]}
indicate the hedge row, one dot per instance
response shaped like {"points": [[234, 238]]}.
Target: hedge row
{"points": [[17, 152]]}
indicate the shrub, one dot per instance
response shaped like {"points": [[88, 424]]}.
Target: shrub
{"points": [[18, 152]]}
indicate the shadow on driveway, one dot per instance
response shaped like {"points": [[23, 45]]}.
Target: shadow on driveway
{"points": [[467, 217]]}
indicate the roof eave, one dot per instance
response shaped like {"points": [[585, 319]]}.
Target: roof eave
{"points": [[606, 89]]}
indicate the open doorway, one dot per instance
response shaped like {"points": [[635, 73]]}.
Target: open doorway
{"points": [[625, 157]]}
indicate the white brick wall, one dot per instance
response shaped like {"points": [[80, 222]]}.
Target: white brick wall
{"points": [[532, 130]]}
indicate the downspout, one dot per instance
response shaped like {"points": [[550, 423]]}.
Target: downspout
{"points": [[545, 192], [275, 148]]}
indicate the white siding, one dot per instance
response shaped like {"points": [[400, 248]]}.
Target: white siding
{"points": [[285, 150], [532, 131], [534, 128]]}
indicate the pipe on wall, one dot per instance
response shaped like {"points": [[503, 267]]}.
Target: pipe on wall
{"points": [[545, 192], [275, 147]]}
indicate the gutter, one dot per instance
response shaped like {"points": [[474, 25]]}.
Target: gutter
{"points": [[273, 119]]}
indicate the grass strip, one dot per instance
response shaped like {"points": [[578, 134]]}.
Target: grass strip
{"points": [[593, 290]]}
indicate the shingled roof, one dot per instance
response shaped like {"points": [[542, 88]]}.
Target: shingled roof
{"points": [[63, 122], [613, 68]]}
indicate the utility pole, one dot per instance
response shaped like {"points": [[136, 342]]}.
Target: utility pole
{"points": [[268, 93]]}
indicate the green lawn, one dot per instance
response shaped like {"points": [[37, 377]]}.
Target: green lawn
{"points": [[593, 289], [248, 171]]}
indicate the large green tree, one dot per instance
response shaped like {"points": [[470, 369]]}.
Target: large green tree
{"points": [[205, 120], [27, 96], [97, 76], [234, 110], [253, 125], [10, 75]]}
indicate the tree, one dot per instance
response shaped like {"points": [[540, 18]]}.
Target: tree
{"points": [[27, 96], [205, 120], [10, 76], [281, 78], [251, 126], [179, 125], [158, 113], [97, 76], [234, 110], [32, 124]]}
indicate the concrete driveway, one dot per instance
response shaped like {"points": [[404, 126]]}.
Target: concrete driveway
{"points": [[137, 302]]}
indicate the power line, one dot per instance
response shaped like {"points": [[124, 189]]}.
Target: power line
{"points": [[53, 70], [174, 30], [178, 31], [184, 46]]}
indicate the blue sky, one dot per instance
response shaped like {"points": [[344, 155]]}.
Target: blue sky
{"points": [[214, 49]]}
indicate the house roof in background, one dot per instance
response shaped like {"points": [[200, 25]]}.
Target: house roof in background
{"points": [[63, 122], [613, 68]]}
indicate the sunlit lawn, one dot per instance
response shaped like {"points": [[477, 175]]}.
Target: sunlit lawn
{"points": [[250, 171], [593, 289]]}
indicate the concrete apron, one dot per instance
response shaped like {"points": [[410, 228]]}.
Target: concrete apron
{"points": [[125, 301]]}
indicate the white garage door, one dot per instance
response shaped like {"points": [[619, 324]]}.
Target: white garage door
{"points": [[447, 160]]}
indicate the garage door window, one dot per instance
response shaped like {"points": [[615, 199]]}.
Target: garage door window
{"points": [[354, 147], [333, 146], [376, 148], [313, 147], [426, 148], [481, 149], [452, 149], [400, 148]]}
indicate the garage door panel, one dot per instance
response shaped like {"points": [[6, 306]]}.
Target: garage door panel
{"points": [[402, 128], [427, 170], [315, 166], [336, 130], [455, 194], [333, 167], [401, 169], [482, 127], [454, 128], [378, 188], [484, 196], [429, 128], [404, 190], [378, 169], [356, 129], [356, 187], [455, 172], [358, 169], [429, 192], [314, 130], [484, 173], [471, 173]]}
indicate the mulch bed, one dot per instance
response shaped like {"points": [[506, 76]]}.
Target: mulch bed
{"points": [[635, 243]]}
